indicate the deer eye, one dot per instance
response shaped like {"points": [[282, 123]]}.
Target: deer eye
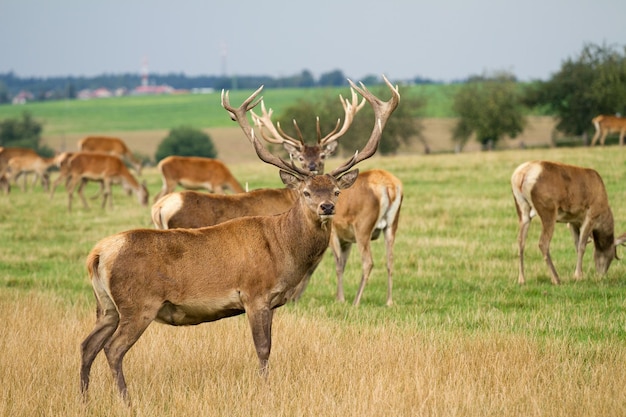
{"points": [[337, 193], [307, 194], [322, 156]]}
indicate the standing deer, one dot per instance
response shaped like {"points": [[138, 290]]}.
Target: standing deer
{"points": [[110, 145], [563, 193], [364, 211], [22, 165], [249, 265], [195, 172], [106, 169], [608, 124], [6, 153]]}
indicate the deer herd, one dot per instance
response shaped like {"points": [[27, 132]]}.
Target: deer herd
{"points": [[213, 255]]}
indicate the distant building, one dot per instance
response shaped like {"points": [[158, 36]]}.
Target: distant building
{"points": [[152, 89], [22, 97]]}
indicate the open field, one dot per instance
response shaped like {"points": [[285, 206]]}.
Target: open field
{"points": [[144, 121], [463, 339]]}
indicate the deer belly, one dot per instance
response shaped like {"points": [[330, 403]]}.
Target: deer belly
{"points": [[198, 312]]}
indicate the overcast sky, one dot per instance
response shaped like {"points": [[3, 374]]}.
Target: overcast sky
{"points": [[438, 39]]}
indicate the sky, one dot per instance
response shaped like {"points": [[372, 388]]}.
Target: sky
{"points": [[442, 40]]}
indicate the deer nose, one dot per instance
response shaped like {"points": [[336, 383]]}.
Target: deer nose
{"points": [[327, 208], [312, 166]]}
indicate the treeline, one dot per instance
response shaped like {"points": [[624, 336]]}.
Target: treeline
{"points": [[55, 88]]}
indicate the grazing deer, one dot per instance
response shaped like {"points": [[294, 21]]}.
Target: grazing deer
{"points": [[6, 153], [22, 165], [563, 193], [608, 124], [106, 169], [110, 145], [194, 172], [249, 265]]}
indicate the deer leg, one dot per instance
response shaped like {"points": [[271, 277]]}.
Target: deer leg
{"points": [[547, 231], [106, 324], [341, 252], [128, 331], [595, 137], [390, 237], [367, 265], [83, 181], [107, 194], [261, 325], [585, 233]]}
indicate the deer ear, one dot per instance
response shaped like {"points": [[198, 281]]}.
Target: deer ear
{"points": [[290, 180], [347, 179]]}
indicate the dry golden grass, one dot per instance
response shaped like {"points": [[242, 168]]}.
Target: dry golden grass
{"points": [[318, 368]]}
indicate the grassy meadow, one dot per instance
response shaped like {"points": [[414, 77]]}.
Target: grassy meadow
{"points": [[462, 338]]}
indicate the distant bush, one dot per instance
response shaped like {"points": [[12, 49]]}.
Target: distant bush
{"points": [[186, 141], [24, 132]]}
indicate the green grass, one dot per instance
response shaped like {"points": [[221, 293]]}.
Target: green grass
{"points": [[456, 255], [134, 113], [463, 334]]}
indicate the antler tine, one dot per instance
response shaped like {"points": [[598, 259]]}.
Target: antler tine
{"points": [[270, 158], [265, 121], [240, 114], [382, 111], [350, 110]]}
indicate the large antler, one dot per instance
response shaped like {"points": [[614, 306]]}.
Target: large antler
{"points": [[278, 135], [240, 115], [382, 111], [350, 109], [265, 121]]}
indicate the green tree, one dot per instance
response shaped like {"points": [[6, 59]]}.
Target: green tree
{"points": [[24, 132], [186, 141], [489, 107], [402, 126], [592, 83]]}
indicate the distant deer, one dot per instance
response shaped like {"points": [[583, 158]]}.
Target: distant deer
{"points": [[6, 153], [563, 193], [364, 211], [106, 169], [22, 165], [111, 145], [194, 172], [249, 265]]}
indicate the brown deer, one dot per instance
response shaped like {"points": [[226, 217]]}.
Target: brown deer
{"points": [[106, 169], [608, 124], [563, 193], [22, 165], [364, 211], [249, 265], [194, 172], [110, 145], [6, 153]]}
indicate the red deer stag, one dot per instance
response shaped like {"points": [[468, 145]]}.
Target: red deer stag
{"points": [[106, 169], [608, 124], [563, 193], [22, 165], [249, 265], [112, 146], [364, 211], [6, 154], [194, 172]]}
